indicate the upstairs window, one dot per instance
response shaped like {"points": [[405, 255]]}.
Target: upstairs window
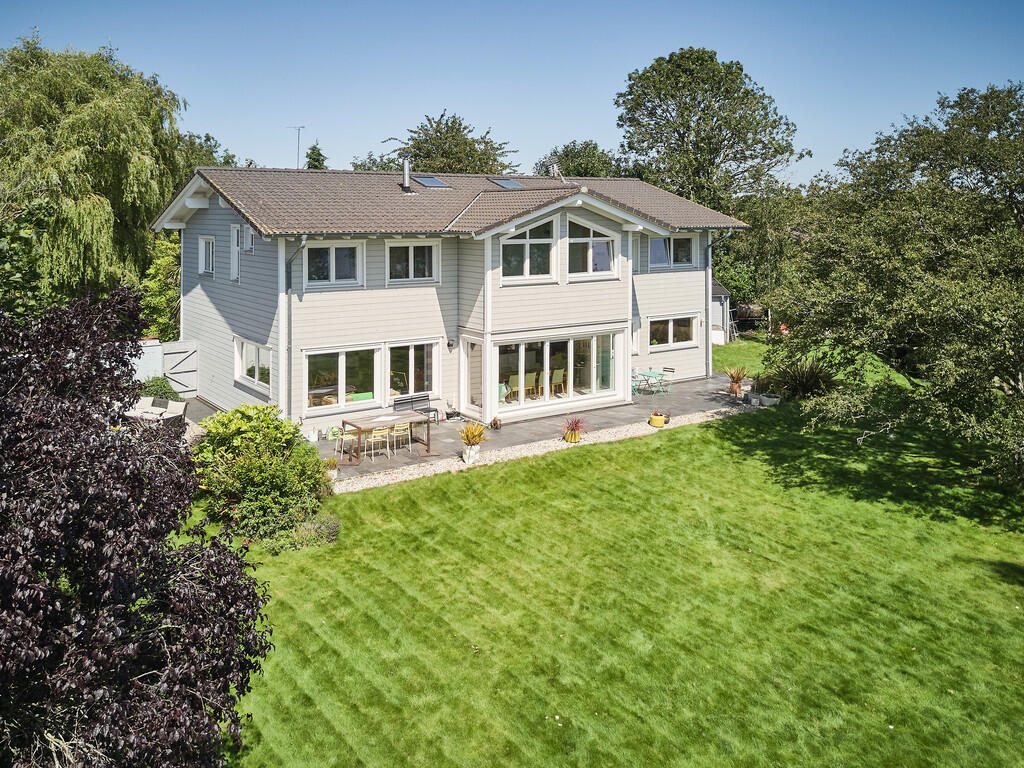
{"points": [[591, 251], [528, 253], [683, 251], [672, 253], [334, 264], [250, 239], [658, 253], [236, 249], [207, 254], [410, 261]]}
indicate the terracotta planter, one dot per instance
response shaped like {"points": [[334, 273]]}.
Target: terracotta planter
{"points": [[470, 453], [572, 437], [735, 388], [656, 421]]}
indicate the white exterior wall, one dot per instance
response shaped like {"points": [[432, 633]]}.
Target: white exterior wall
{"points": [[665, 292], [215, 309], [375, 314]]}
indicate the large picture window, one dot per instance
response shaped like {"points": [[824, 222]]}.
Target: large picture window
{"points": [[345, 378], [252, 364], [413, 261], [528, 253], [672, 332], [340, 264], [591, 251], [538, 372], [411, 369]]}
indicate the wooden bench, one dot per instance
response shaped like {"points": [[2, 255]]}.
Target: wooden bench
{"points": [[420, 402]]}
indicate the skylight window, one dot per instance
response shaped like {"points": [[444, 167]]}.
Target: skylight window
{"points": [[507, 183], [429, 181]]}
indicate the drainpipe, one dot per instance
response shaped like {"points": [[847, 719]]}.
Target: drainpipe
{"points": [[707, 302]]}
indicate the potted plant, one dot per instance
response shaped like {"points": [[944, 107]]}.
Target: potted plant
{"points": [[573, 429], [657, 419], [472, 435], [765, 394], [736, 376], [756, 383]]}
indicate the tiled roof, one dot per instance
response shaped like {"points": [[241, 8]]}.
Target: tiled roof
{"points": [[279, 201], [717, 289]]}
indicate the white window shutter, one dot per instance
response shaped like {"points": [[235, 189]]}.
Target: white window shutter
{"points": [[236, 248]]}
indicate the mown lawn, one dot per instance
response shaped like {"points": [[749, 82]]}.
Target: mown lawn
{"points": [[747, 350], [733, 594]]}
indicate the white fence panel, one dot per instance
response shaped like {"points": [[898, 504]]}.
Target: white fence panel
{"points": [[181, 366]]}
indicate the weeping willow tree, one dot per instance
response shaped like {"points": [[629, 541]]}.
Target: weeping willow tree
{"points": [[95, 145]]}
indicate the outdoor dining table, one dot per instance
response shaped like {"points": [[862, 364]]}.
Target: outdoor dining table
{"points": [[655, 380], [367, 424]]}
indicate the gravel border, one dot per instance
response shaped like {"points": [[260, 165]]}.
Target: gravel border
{"points": [[456, 464]]}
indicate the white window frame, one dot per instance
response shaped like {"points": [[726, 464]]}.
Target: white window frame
{"points": [[341, 405], [360, 281], [203, 240], [411, 243], [617, 339], [250, 240], [694, 239], [236, 251], [590, 274], [435, 367], [696, 316], [240, 372], [551, 275]]}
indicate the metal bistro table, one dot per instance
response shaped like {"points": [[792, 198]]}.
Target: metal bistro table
{"points": [[370, 423], [655, 381]]}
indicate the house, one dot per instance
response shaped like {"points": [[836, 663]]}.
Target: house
{"points": [[721, 315], [335, 292]]}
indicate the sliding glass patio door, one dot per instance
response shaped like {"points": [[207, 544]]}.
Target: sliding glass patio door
{"points": [[540, 372]]}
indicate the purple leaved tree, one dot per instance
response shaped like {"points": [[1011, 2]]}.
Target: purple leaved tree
{"points": [[126, 637]]}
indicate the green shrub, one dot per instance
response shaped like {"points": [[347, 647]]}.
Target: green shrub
{"points": [[262, 475], [802, 378], [158, 386], [318, 530]]}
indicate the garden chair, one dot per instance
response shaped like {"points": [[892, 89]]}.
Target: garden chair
{"points": [[341, 437], [558, 381], [530, 384], [666, 383], [380, 436], [401, 432], [513, 387]]}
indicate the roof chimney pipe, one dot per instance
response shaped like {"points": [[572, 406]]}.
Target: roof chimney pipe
{"points": [[406, 182]]}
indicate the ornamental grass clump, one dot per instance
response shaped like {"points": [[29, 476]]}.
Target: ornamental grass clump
{"points": [[473, 433]]}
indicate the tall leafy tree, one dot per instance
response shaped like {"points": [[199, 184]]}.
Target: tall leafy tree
{"points": [[914, 255], [702, 128], [161, 289], [128, 637], [580, 158], [98, 142], [443, 144], [315, 157], [195, 150]]}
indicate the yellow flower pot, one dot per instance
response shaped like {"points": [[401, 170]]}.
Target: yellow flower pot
{"points": [[656, 421], [572, 437]]}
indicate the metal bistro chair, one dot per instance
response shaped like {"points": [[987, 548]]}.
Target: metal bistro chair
{"points": [[380, 436], [641, 386], [666, 382], [399, 432]]}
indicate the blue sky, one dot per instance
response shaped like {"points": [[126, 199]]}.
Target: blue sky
{"points": [[537, 73]]}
